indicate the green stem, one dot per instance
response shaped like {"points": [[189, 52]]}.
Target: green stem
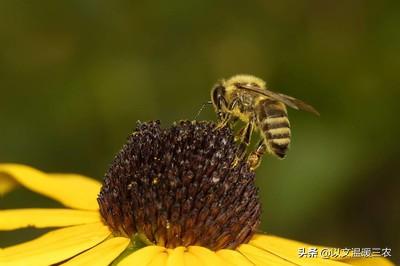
{"points": [[137, 242]]}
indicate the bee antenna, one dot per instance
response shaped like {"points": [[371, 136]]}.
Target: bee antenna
{"points": [[201, 109]]}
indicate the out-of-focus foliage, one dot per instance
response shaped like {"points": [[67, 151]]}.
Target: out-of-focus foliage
{"points": [[75, 76]]}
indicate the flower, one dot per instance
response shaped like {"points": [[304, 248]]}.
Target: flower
{"points": [[170, 197]]}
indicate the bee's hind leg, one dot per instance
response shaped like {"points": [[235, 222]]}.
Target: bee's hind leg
{"points": [[244, 138], [254, 159]]}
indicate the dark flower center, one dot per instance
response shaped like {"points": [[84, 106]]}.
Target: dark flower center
{"points": [[177, 187]]}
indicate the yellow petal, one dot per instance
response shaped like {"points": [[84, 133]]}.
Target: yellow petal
{"points": [[175, 257], [142, 256], [6, 184], [206, 256], [261, 257], [56, 245], [102, 254], [369, 262], [287, 251], [191, 260], [234, 257], [160, 259], [72, 190], [41, 218]]}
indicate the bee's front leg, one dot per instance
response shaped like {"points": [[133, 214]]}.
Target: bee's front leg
{"points": [[224, 120], [225, 116]]}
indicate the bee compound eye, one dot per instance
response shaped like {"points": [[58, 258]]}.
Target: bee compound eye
{"points": [[217, 95]]}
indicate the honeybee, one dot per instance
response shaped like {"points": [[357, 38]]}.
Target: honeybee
{"points": [[247, 98]]}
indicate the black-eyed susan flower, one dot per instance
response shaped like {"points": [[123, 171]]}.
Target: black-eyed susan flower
{"points": [[171, 197]]}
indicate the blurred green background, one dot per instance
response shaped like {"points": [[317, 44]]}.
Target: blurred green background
{"points": [[75, 76]]}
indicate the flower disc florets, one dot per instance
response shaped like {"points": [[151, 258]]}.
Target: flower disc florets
{"points": [[177, 187]]}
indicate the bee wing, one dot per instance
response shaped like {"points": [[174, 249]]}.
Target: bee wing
{"points": [[298, 104], [286, 99]]}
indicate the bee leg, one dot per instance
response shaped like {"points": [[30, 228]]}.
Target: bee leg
{"points": [[225, 117], [233, 121], [245, 133], [224, 121], [254, 159], [245, 136]]}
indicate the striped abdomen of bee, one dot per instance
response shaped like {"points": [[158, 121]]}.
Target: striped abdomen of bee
{"points": [[274, 126]]}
